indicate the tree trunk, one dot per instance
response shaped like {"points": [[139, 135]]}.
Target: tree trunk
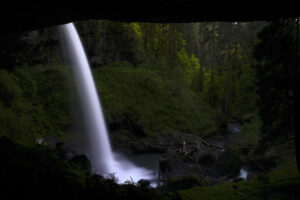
{"points": [[227, 97], [151, 36], [212, 64], [297, 116]]}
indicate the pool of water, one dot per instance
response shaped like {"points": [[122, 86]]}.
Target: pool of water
{"points": [[148, 162]]}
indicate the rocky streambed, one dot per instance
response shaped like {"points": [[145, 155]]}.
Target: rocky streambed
{"points": [[176, 155], [186, 155], [196, 156]]}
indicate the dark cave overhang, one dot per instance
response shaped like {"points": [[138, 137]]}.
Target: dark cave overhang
{"points": [[20, 18]]}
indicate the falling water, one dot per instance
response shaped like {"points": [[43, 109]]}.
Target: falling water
{"points": [[243, 174], [102, 158]]}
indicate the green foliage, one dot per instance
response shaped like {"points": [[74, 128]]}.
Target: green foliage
{"points": [[175, 51], [229, 163], [34, 103], [154, 79], [242, 90], [220, 192], [251, 190], [251, 132], [284, 155], [229, 78], [9, 90], [140, 100], [189, 65], [275, 78], [107, 41], [281, 182], [186, 182]]}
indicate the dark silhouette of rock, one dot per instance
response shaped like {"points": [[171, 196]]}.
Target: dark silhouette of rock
{"points": [[82, 161]]}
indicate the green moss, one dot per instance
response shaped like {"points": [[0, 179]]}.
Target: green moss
{"points": [[34, 102], [251, 132], [221, 192], [287, 189], [141, 98], [281, 182], [186, 182], [286, 167], [229, 163]]}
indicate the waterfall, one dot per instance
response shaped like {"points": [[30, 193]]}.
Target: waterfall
{"points": [[99, 151], [243, 174]]}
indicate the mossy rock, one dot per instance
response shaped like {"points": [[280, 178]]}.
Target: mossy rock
{"points": [[229, 163], [185, 182], [82, 161]]}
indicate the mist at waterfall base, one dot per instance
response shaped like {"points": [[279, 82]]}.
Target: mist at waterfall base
{"points": [[99, 151], [243, 174]]}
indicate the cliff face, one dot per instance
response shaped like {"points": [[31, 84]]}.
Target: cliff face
{"points": [[16, 18]]}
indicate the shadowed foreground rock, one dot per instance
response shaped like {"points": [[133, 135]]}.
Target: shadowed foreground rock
{"points": [[196, 156], [39, 173]]}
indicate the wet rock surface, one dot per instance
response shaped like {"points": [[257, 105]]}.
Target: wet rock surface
{"points": [[191, 154], [229, 164], [184, 154], [234, 127], [160, 143], [213, 164], [82, 161], [186, 182]]}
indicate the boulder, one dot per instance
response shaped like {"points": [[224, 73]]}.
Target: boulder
{"points": [[185, 182], [82, 161], [234, 128], [40, 141], [160, 143], [229, 163], [195, 156]]}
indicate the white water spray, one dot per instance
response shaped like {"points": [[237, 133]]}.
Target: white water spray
{"points": [[243, 174], [99, 151]]}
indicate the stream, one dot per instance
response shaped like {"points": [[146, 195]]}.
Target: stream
{"points": [[243, 174], [148, 161]]}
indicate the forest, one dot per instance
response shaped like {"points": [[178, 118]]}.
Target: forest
{"points": [[227, 90]]}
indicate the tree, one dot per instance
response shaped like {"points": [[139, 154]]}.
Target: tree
{"points": [[277, 55], [228, 71]]}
